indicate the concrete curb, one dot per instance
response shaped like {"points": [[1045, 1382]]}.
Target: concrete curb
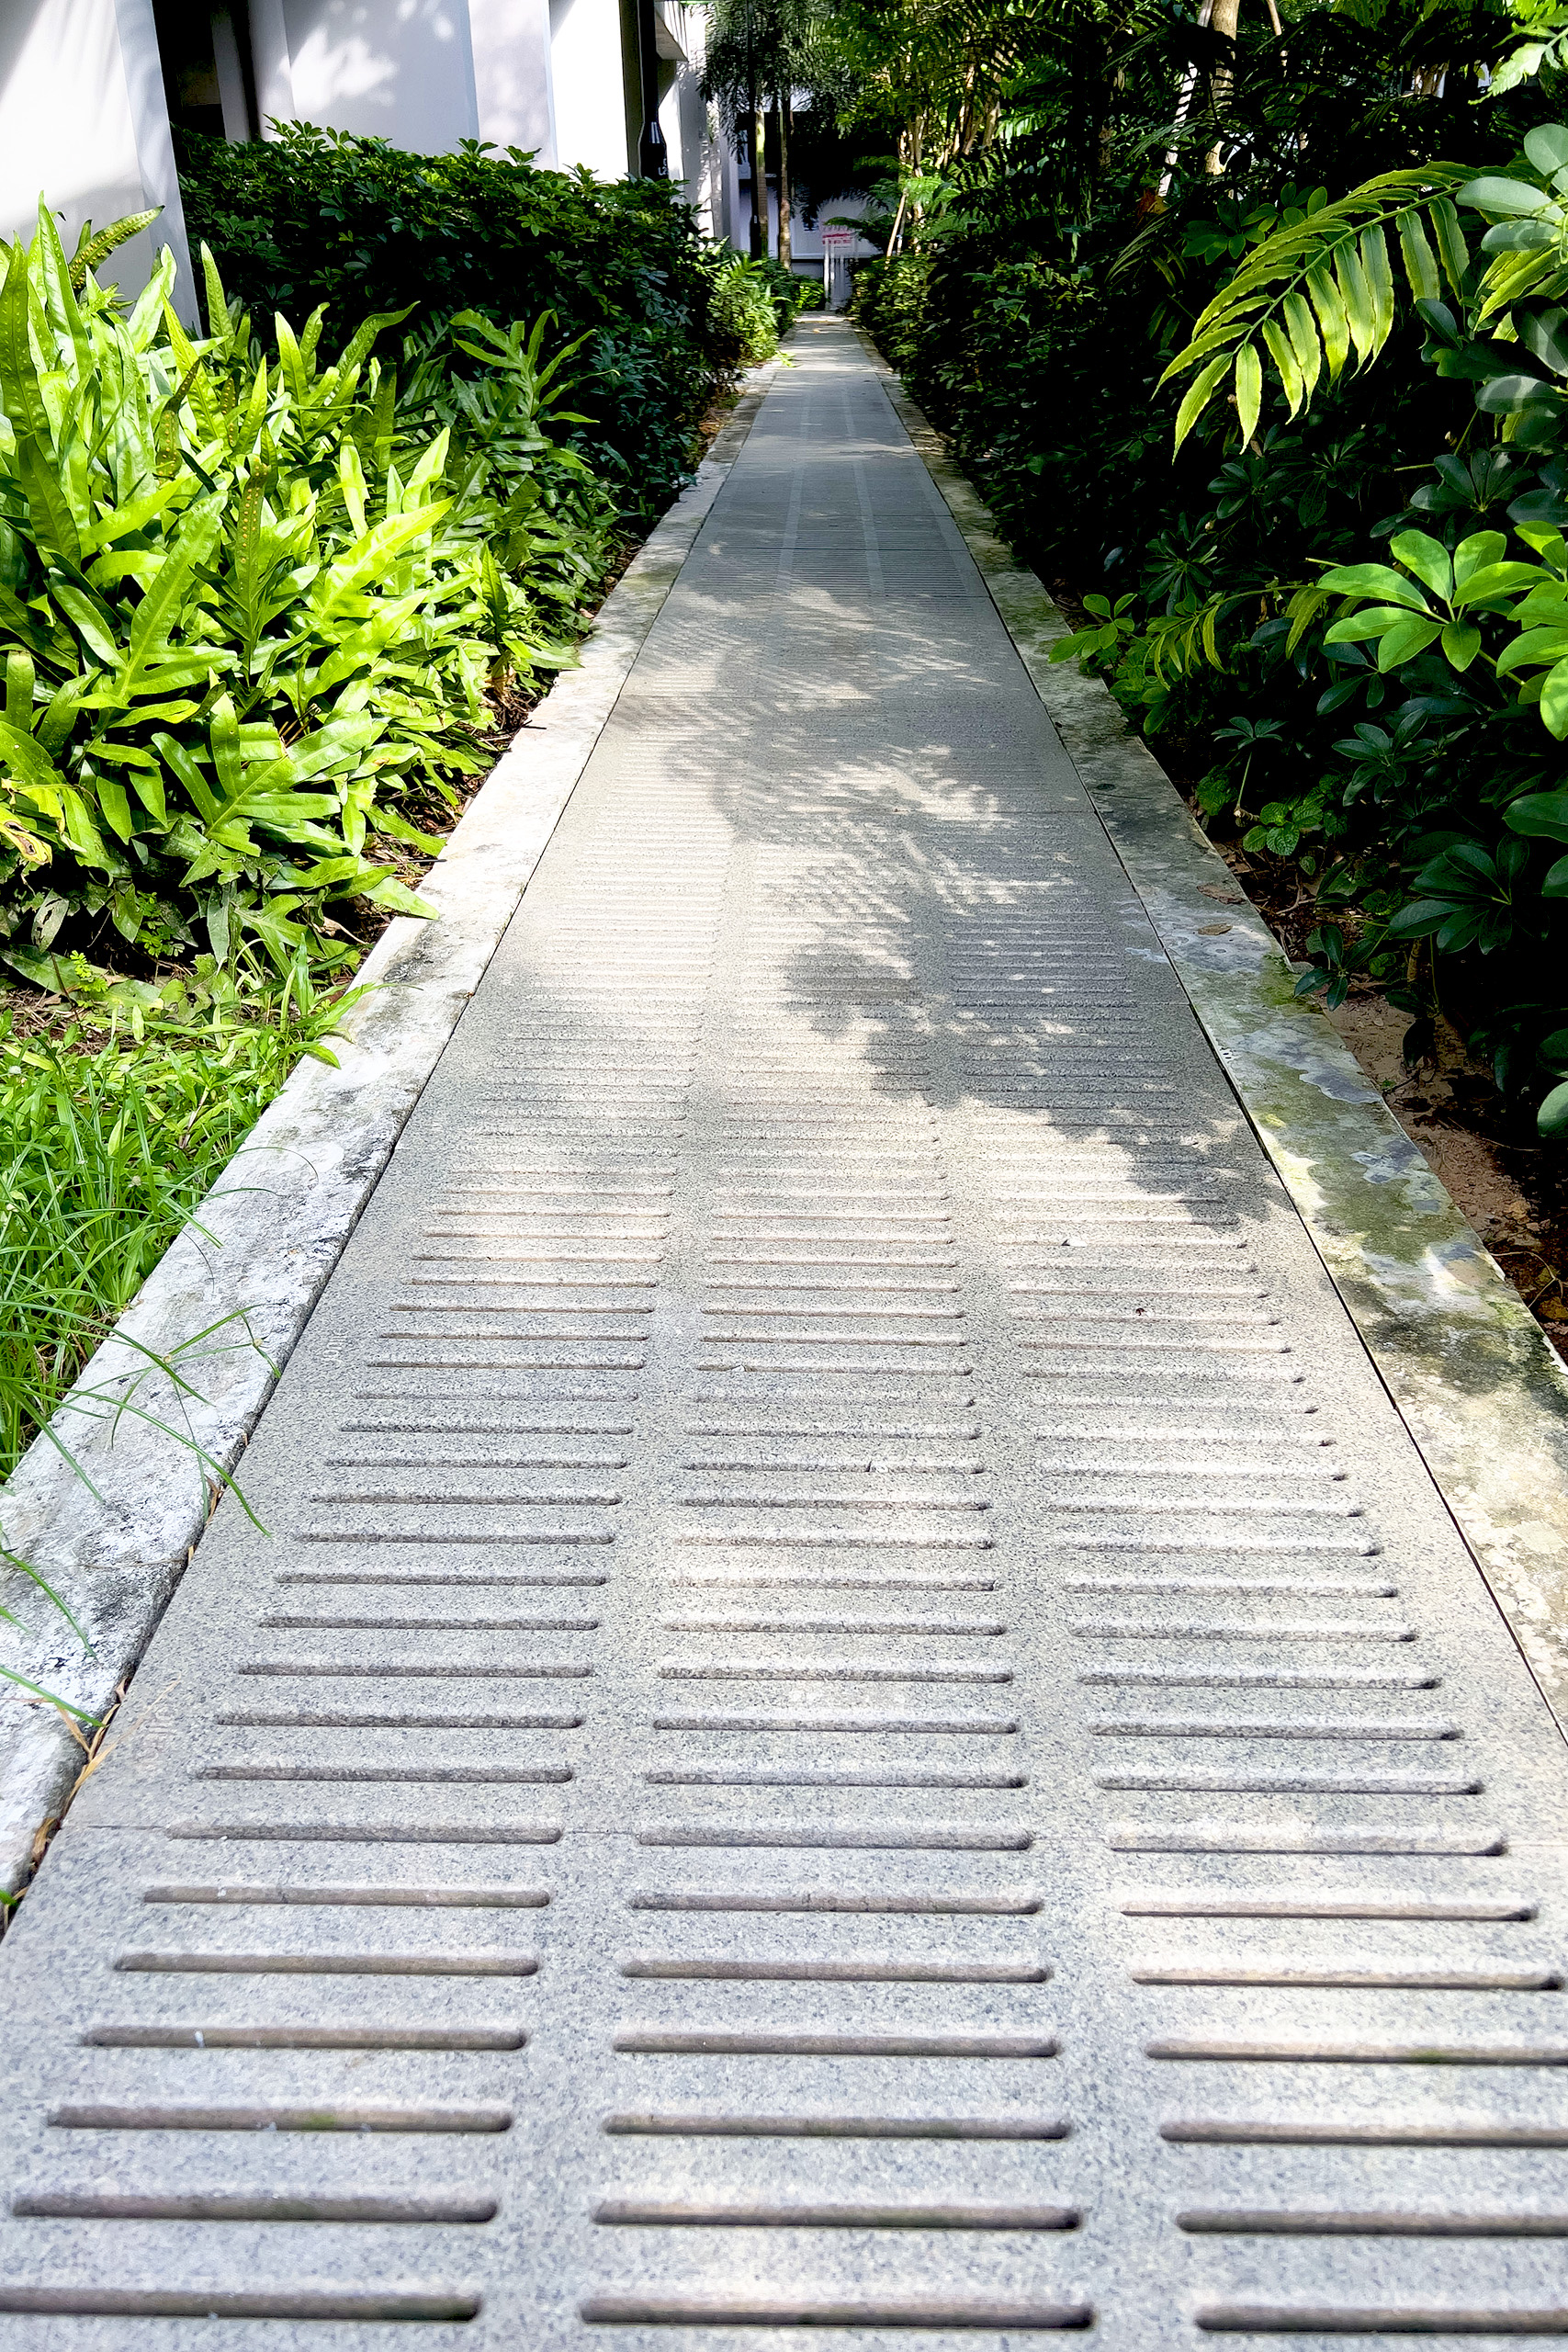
{"points": [[1477, 1383], [114, 1533]]}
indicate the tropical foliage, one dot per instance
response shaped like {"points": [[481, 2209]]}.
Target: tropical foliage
{"points": [[313, 217], [1298, 451], [248, 604]]}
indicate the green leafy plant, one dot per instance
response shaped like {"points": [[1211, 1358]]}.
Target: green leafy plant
{"points": [[308, 217], [242, 609]]}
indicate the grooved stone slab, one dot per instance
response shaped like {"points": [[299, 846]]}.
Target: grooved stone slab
{"points": [[858, 1714]]}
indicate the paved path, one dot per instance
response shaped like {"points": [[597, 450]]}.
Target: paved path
{"points": [[857, 1710]]}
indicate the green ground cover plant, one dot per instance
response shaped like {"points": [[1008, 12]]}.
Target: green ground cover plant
{"points": [[114, 1126]]}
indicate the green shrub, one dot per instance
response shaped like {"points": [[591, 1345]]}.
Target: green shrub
{"points": [[319, 216], [742, 319], [244, 605]]}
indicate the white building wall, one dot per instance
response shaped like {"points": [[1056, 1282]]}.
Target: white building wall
{"points": [[403, 73], [513, 78], [83, 122], [585, 71]]}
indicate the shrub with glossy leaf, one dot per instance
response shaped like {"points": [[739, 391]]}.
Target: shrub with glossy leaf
{"points": [[325, 216]]}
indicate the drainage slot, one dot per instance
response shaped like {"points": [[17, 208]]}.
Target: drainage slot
{"points": [[840, 1972], [327, 1964], [157, 2303], [65, 2206], [938, 1907], [1273, 2319], [281, 2118], [456, 1899], [1377, 2225], [303, 2036], [632, 2211], [840, 2045], [688, 2311]]}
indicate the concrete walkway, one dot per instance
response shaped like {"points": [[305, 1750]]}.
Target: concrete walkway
{"points": [[857, 1712]]}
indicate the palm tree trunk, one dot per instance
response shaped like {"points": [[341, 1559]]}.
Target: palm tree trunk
{"points": [[785, 254], [757, 135], [1223, 19]]}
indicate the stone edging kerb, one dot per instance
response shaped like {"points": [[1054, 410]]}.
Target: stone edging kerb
{"points": [[114, 1537]]}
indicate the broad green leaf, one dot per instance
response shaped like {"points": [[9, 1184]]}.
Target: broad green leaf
{"points": [[20, 753], [1303, 341], [1451, 247], [113, 805], [1249, 391], [1519, 236], [1544, 605], [1376, 620], [164, 601], [185, 766], [431, 466], [400, 899], [1502, 394], [1428, 559], [59, 295], [371, 559], [1497, 579], [290, 360], [1408, 638], [135, 513], [218, 326], [78, 825], [1554, 701], [1536, 647], [387, 820], [48, 505], [350, 479], [1379, 277], [1420, 263], [358, 348], [1461, 643], [1543, 815], [1283, 356], [92, 252], [20, 386], [1331, 318], [1481, 548], [1551, 1119], [1356, 295], [1373, 580], [223, 734], [1199, 394], [20, 678], [60, 715], [1546, 147], [88, 614], [1490, 193]]}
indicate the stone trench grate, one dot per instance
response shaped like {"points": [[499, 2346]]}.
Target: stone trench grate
{"points": [[857, 1715]]}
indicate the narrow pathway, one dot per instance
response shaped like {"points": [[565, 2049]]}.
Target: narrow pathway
{"points": [[857, 1711]]}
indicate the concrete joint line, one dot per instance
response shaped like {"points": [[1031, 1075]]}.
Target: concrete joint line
{"points": [[1474, 1379], [230, 1297]]}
